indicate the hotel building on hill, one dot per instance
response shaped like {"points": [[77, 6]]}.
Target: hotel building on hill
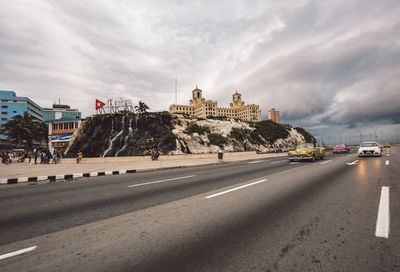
{"points": [[201, 108]]}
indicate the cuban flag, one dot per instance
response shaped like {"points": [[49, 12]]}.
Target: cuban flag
{"points": [[99, 104]]}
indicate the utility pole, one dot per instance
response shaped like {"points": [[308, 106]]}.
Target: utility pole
{"points": [[176, 91]]}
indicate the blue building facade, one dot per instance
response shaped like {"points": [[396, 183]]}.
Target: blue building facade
{"points": [[12, 105]]}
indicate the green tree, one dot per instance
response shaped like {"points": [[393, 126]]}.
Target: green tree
{"points": [[24, 130], [141, 107]]}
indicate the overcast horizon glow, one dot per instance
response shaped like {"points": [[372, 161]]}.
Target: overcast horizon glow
{"points": [[332, 67]]}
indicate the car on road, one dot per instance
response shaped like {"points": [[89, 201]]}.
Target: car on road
{"points": [[341, 148], [369, 149], [387, 145], [306, 152]]}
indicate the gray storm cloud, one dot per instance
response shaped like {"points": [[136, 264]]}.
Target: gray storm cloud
{"points": [[322, 63]]}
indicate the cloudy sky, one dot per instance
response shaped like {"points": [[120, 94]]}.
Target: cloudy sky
{"points": [[332, 67]]}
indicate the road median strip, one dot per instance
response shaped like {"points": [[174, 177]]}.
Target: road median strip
{"points": [[64, 176]]}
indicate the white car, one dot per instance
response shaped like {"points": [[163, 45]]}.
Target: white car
{"points": [[369, 149]]}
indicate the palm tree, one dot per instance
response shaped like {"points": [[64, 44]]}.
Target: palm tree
{"points": [[141, 108]]}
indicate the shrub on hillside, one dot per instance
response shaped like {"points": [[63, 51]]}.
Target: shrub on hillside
{"points": [[238, 134], [271, 131], [195, 128], [307, 136], [222, 118], [217, 139]]}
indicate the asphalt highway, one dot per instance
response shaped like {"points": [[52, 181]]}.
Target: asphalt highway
{"points": [[337, 214]]}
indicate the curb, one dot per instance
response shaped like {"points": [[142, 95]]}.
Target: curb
{"points": [[64, 177]]}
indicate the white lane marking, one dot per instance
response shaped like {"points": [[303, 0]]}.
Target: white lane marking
{"points": [[387, 162], [387, 155], [254, 162], [235, 189], [352, 163], [383, 220], [160, 181], [326, 162], [278, 161], [349, 155], [293, 163], [15, 253]]}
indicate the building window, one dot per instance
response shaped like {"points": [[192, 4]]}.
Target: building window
{"points": [[4, 107], [4, 112], [14, 111], [3, 119], [76, 124]]}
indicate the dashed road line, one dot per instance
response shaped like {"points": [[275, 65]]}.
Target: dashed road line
{"points": [[326, 162], [252, 162], [352, 163], [15, 253], [235, 189], [279, 161], [387, 162], [383, 219], [293, 163], [160, 181]]}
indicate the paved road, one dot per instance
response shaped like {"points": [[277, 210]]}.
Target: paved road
{"points": [[266, 215]]}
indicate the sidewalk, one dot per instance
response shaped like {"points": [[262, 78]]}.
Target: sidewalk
{"points": [[22, 170]]}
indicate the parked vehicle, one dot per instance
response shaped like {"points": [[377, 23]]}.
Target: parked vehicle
{"points": [[369, 149], [306, 152], [341, 148], [387, 145]]}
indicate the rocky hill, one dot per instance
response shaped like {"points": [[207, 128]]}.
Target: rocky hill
{"points": [[128, 134]]}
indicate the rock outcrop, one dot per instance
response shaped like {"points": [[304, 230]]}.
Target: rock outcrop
{"points": [[128, 134]]}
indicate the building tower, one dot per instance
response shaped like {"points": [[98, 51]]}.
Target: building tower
{"points": [[197, 96], [237, 100], [274, 116]]}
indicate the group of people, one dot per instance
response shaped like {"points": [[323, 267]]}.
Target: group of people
{"points": [[7, 157], [35, 156], [154, 154], [277, 148]]}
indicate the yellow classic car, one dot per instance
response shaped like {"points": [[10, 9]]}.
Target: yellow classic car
{"points": [[306, 152], [387, 145]]}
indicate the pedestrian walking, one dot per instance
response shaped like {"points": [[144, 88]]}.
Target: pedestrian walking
{"points": [[58, 157], [79, 156], [29, 157], [10, 157], [5, 158], [35, 155], [42, 157], [48, 156]]}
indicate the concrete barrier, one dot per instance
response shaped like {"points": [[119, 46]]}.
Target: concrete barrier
{"points": [[161, 158]]}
